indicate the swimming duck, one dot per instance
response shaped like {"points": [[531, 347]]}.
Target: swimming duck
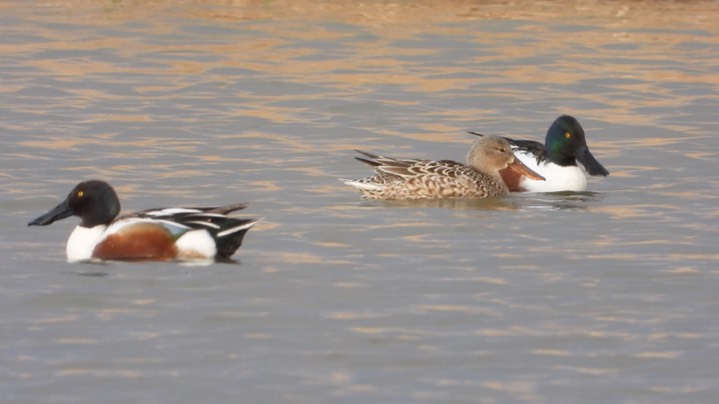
{"points": [[149, 235], [435, 179], [556, 160]]}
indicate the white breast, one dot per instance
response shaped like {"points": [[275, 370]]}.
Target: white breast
{"points": [[82, 242], [558, 178]]}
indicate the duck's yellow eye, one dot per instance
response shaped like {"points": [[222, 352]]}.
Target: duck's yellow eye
{"points": [[80, 194], [567, 135], [502, 150]]}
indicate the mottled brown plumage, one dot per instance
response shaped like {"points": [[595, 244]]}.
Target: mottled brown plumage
{"points": [[438, 179]]}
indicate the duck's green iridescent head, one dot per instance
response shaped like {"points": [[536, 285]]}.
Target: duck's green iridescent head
{"points": [[94, 201], [566, 144]]}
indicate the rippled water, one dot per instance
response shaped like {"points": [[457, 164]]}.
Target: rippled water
{"points": [[603, 296]]}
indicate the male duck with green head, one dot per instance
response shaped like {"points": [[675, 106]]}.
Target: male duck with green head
{"points": [[555, 160]]}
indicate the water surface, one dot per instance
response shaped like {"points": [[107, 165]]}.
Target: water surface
{"points": [[603, 296]]}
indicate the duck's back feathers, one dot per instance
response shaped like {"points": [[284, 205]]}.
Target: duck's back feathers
{"points": [[227, 232], [530, 148], [423, 179]]}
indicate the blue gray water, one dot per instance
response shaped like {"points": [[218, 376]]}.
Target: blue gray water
{"points": [[604, 296]]}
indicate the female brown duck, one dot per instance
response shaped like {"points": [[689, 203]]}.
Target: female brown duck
{"points": [[437, 179]]}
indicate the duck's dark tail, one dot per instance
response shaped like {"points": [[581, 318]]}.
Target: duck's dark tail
{"points": [[229, 237]]}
